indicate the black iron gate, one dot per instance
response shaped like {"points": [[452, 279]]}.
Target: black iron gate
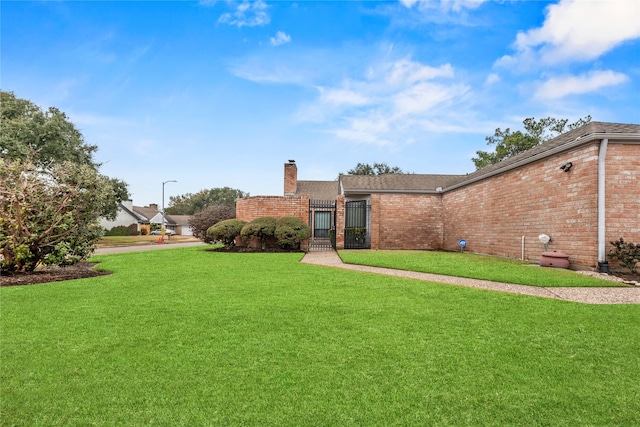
{"points": [[322, 221], [356, 230]]}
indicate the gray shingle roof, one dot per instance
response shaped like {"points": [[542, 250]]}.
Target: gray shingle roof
{"points": [[145, 212], [397, 183], [318, 190], [178, 219]]}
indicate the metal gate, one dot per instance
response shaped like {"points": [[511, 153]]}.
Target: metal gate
{"points": [[356, 230], [322, 222]]}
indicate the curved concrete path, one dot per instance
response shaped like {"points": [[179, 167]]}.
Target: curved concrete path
{"points": [[628, 295]]}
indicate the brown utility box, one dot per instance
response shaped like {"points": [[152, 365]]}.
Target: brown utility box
{"points": [[554, 259]]}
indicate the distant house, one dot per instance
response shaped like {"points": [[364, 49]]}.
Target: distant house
{"points": [[180, 224], [143, 217], [582, 188], [126, 216]]}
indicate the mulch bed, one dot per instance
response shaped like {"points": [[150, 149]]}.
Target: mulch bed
{"points": [[81, 270]]}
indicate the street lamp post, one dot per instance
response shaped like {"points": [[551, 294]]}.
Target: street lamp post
{"points": [[162, 230]]}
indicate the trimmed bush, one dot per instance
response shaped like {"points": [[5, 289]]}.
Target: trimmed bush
{"points": [[259, 232], [203, 220], [291, 231], [225, 231]]}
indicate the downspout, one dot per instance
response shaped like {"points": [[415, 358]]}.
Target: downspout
{"points": [[603, 264]]}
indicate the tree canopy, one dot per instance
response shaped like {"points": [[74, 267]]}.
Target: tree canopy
{"points": [[508, 144], [51, 192], [201, 221], [25, 128], [189, 204], [376, 169]]}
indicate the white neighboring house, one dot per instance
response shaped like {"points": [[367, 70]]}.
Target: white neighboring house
{"points": [[125, 217], [143, 217]]}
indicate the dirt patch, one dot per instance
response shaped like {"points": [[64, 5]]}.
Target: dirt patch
{"points": [[81, 270]]}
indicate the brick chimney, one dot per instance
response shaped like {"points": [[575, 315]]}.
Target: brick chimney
{"points": [[153, 206], [290, 178]]}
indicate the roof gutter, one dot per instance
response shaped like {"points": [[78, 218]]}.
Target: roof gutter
{"points": [[348, 191], [564, 147]]}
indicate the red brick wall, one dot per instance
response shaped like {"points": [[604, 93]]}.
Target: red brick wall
{"points": [[340, 222], [290, 179], [406, 221], [250, 208], [494, 214], [622, 180]]}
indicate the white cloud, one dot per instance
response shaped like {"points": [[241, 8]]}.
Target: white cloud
{"points": [[248, 13], [455, 5], [408, 3], [576, 31], [342, 97], [422, 97], [386, 100], [559, 87], [492, 79], [408, 72], [280, 38], [393, 102]]}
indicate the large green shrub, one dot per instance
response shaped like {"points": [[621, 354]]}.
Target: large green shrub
{"points": [[260, 231], [290, 231], [627, 253], [123, 230], [225, 231]]}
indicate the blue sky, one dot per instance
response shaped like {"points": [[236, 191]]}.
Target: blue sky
{"points": [[223, 93]]}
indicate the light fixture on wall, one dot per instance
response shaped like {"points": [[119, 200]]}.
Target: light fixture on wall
{"points": [[566, 167], [544, 239]]}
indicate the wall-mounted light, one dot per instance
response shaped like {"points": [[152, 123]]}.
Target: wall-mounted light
{"points": [[566, 167]]}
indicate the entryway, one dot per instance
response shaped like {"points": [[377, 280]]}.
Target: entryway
{"points": [[322, 221]]}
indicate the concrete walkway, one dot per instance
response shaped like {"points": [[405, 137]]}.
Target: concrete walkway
{"points": [[630, 295], [139, 248]]}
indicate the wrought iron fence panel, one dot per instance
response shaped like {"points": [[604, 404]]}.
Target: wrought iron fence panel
{"points": [[356, 232]]}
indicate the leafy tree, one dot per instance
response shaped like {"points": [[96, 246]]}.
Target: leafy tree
{"points": [[49, 215], [26, 129], [203, 220], [51, 191], [376, 169], [189, 204], [508, 144]]}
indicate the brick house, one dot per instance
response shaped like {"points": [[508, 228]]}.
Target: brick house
{"points": [[582, 188]]}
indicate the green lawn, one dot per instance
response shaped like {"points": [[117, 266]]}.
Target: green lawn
{"points": [[188, 337], [473, 266]]}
